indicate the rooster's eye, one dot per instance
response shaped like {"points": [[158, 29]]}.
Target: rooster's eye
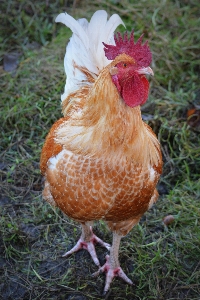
{"points": [[124, 65]]}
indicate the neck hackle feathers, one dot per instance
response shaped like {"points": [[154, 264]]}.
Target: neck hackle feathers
{"points": [[141, 53]]}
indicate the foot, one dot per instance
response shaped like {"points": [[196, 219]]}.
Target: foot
{"points": [[89, 246], [111, 273]]}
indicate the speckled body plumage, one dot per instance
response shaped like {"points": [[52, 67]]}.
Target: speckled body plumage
{"points": [[89, 189]]}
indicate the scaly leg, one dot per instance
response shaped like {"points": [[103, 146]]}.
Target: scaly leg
{"points": [[87, 241], [112, 265]]}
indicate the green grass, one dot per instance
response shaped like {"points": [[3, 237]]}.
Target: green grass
{"points": [[163, 262]]}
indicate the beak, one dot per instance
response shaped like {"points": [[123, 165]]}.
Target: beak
{"points": [[145, 71]]}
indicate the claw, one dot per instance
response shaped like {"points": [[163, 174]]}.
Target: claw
{"points": [[111, 273], [89, 246]]}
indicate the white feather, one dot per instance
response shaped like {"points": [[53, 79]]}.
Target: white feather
{"points": [[85, 47], [52, 164]]}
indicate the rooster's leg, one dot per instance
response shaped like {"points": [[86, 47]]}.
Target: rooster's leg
{"points": [[112, 265], [87, 241]]}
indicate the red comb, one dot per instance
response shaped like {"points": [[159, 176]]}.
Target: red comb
{"points": [[141, 53]]}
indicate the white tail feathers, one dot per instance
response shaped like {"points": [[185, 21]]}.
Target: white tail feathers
{"points": [[85, 48]]}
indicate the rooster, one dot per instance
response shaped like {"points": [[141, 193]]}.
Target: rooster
{"points": [[100, 160]]}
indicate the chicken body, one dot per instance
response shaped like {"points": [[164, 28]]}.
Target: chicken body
{"points": [[101, 161]]}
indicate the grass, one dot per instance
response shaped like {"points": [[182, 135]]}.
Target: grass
{"points": [[163, 262]]}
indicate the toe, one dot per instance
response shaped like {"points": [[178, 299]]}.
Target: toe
{"points": [[101, 242], [77, 247], [124, 277], [92, 251]]}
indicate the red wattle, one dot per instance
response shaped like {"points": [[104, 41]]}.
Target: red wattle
{"points": [[135, 90]]}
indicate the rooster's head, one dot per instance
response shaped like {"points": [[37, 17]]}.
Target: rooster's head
{"points": [[130, 65]]}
